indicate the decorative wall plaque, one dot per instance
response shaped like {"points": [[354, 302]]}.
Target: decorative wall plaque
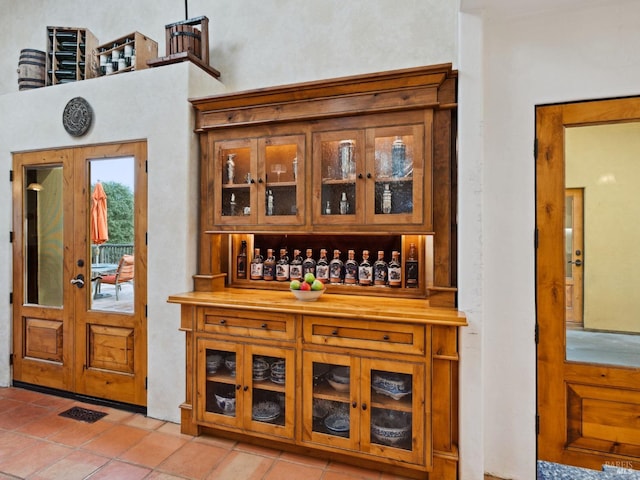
{"points": [[77, 116]]}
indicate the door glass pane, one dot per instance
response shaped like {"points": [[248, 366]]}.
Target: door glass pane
{"points": [[221, 382], [43, 234], [394, 174], [331, 386], [391, 412], [281, 164], [338, 176], [602, 162], [269, 376], [111, 232], [236, 181], [568, 235]]}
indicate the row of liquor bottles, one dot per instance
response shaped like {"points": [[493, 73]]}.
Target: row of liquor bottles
{"points": [[362, 272]]}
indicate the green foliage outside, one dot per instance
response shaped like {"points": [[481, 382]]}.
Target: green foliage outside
{"points": [[119, 212]]}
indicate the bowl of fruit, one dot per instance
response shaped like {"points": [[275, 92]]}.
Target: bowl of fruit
{"points": [[307, 289]]}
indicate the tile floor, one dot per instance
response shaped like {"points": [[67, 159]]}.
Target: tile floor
{"points": [[38, 444]]}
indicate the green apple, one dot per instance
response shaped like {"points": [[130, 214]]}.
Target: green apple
{"points": [[294, 285], [317, 285], [309, 277]]}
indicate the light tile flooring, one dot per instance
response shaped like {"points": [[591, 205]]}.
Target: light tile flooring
{"points": [[38, 444]]}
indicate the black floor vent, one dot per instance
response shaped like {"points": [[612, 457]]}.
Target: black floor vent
{"points": [[83, 414]]}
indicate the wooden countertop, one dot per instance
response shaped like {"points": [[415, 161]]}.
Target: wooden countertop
{"points": [[331, 305]]}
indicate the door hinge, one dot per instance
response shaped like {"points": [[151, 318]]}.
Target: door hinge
{"points": [[146, 166], [146, 238], [537, 333], [535, 148], [537, 424], [10, 298], [146, 383], [535, 238], [10, 237], [146, 310], [11, 175], [11, 359]]}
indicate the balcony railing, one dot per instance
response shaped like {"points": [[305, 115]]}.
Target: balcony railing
{"points": [[110, 252]]}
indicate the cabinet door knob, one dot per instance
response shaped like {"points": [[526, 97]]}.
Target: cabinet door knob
{"points": [[223, 321], [246, 387], [238, 387], [253, 181], [259, 180], [360, 176], [368, 175], [364, 406], [354, 404]]}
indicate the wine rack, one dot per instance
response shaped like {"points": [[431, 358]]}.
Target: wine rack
{"points": [[70, 55]]}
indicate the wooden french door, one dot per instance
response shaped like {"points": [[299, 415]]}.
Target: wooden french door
{"points": [[70, 331], [588, 408]]}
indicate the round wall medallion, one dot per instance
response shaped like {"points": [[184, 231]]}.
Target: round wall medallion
{"points": [[77, 116]]}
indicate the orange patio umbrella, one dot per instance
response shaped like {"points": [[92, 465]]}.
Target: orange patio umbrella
{"points": [[99, 226]]}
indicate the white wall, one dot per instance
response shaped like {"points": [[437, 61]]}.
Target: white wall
{"points": [[568, 54]]}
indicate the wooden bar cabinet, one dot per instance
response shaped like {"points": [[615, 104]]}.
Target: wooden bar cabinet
{"points": [[352, 166]]}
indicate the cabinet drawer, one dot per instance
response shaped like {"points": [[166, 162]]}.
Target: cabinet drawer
{"points": [[274, 326], [364, 334]]}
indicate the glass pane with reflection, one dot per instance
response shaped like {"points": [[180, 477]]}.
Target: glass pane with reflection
{"points": [[43, 236], [111, 234], [601, 161]]}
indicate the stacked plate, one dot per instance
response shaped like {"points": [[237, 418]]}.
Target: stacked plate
{"points": [[260, 369], [338, 378], [337, 422], [391, 427], [392, 385], [230, 363], [266, 411], [278, 372], [214, 361]]}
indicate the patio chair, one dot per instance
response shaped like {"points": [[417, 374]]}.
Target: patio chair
{"points": [[124, 273]]}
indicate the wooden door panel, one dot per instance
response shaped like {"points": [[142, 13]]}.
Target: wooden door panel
{"points": [[43, 339], [111, 348]]}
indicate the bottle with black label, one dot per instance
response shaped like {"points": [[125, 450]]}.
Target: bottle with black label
{"points": [[411, 267], [309, 264], [365, 270], [322, 267], [256, 265], [282, 266], [269, 269], [295, 267], [395, 270], [241, 261], [336, 269], [380, 270], [351, 269]]}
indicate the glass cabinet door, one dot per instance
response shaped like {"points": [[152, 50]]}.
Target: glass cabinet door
{"points": [[395, 175], [271, 374], [338, 176], [395, 417], [235, 171], [218, 384], [331, 400], [281, 179]]}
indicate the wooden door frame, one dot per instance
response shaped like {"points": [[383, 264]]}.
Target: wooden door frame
{"points": [[563, 387]]}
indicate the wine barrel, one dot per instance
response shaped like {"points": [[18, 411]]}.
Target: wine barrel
{"points": [[31, 69]]}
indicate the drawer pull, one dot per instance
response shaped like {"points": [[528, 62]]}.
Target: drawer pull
{"points": [[386, 337], [264, 325], [364, 406], [223, 321], [335, 332]]}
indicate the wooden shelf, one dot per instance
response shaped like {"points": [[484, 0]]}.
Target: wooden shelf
{"points": [[70, 55], [135, 50]]}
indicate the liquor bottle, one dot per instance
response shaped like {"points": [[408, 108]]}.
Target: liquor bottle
{"points": [[336, 269], [295, 267], [270, 202], [256, 265], [344, 204], [395, 270], [411, 267], [365, 270], [386, 199], [269, 269], [351, 269], [282, 266], [309, 264], [380, 270], [241, 261], [322, 267]]}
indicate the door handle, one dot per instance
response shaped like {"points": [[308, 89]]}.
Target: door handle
{"points": [[78, 281], [577, 263]]}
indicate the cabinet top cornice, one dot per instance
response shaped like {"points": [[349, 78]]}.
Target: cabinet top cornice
{"points": [[418, 87]]}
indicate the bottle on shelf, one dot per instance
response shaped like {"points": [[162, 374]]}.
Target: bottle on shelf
{"points": [[336, 269], [295, 267], [309, 264], [344, 204], [269, 269], [270, 202], [395, 270], [282, 266], [231, 168], [365, 270], [241, 261], [327, 208], [386, 199], [398, 157], [322, 267], [257, 265], [351, 269], [411, 267], [380, 270]]}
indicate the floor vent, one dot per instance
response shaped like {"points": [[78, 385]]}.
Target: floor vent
{"points": [[83, 414]]}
